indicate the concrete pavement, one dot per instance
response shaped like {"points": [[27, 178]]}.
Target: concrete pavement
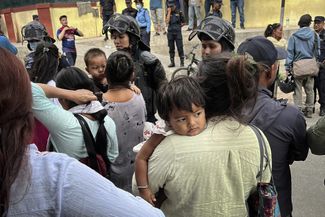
{"points": [[307, 177]]}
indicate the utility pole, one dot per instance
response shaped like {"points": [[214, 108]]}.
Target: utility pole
{"points": [[282, 12]]}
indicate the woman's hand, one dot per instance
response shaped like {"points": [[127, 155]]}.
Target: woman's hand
{"points": [[147, 195], [82, 96], [135, 89]]}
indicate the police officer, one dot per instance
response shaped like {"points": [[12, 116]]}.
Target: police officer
{"points": [[175, 21], [216, 35], [149, 72], [129, 10], [320, 79], [216, 8], [107, 9]]}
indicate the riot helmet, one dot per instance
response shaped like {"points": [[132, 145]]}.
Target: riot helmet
{"points": [[125, 24], [122, 24], [217, 29], [35, 31]]}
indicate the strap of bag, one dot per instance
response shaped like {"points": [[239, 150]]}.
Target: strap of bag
{"points": [[263, 150], [261, 145], [89, 141]]}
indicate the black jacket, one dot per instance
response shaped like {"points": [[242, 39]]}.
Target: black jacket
{"points": [[285, 128], [149, 73]]}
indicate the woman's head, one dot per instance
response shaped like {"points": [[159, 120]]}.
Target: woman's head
{"points": [[46, 61], [181, 103], [217, 35], [16, 121], [274, 30], [139, 4], [124, 30], [228, 83], [73, 78], [119, 69]]}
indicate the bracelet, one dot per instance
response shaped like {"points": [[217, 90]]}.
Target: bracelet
{"points": [[142, 186]]}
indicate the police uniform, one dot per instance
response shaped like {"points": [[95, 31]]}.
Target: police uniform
{"points": [[149, 74], [320, 79], [107, 12], [129, 11], [175, 35]]}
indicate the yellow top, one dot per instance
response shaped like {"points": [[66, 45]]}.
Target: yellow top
{"points": [[211, 174]]}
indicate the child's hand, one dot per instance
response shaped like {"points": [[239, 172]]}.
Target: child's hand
{"points": [[135, 89], [148, 196]]}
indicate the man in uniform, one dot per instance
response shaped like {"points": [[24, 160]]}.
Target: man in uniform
{"points": [[320, 79], [107, 9], [175, 21], [129, 10]]}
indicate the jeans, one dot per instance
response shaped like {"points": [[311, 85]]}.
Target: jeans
{"points": [[240, 5], [158, 19], [191, 10], [71, 56], [307, 82]]}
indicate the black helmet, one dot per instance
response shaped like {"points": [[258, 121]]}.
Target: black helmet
{"points": [[216, 28], [125, 24], [288, 85], [122, 24], [35, 31]]}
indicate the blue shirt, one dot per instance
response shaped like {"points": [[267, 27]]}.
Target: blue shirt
{"points": [[53, 184], [5, 43], [143, 19], [154, 4]]}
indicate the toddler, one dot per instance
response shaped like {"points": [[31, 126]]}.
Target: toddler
{"points": [[180, 103]]}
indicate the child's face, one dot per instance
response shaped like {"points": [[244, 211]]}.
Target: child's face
{"points": [[188, 123], [96, 67]]}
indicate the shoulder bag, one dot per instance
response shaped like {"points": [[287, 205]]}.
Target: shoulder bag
{"points": [[306, 67], [263, 202]]}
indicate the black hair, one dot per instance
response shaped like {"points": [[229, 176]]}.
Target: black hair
{"points": [[213, 80], [242, 77], [91, 53], [45, 65], [119, 69], [63, 16], [229, 83], [73, 78], [225, 45], [180, 93], [270, 28]]}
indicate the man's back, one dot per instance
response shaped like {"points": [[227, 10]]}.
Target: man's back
{"points": [[285, 128]]}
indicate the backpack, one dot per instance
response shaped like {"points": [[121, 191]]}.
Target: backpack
{"points": [[94, 160]]}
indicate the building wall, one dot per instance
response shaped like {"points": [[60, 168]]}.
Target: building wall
{"points": [[257, 14], [20, 19], [89, 25]]}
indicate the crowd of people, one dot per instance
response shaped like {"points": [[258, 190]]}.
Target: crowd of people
{"points": [[203, 158]]}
